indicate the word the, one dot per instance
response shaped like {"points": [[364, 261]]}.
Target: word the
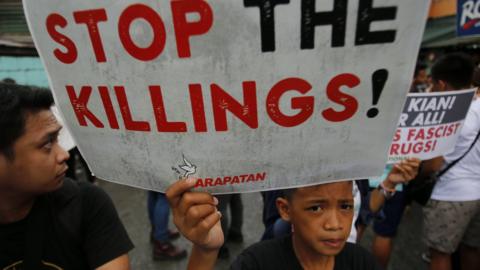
{"points": [[184, 29]]}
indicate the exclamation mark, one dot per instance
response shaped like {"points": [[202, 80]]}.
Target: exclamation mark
{"points": [[379, 78]]}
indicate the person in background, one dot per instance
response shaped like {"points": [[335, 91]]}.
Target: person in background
{"points": [[393, 203], [420, 79], [232, 231], [476, 80], [75, 157], [160, 236], [452, 215]]}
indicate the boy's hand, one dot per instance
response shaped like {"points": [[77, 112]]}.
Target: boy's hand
{"points": [[195, 215], [402, 172]]}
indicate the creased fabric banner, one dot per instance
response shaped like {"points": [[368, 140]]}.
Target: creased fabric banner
{"points": [[243, 95], [430, 124], [64, 137]]}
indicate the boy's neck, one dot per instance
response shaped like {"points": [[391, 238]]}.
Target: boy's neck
{"points": [[309, 258]]}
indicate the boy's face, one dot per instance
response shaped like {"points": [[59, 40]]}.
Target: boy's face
{"points": [[39, 164], [321, 216]]}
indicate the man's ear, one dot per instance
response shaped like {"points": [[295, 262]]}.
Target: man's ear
{"points": [[283, 207]]}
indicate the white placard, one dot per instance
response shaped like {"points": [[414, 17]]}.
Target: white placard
{"points": [[242, 95], [430, 124]]}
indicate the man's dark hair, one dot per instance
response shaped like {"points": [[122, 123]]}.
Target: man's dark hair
{"points": [[16, 102], [456, 69]]}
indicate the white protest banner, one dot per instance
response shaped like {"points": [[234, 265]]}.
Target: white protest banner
{"points": [[243, 95], [430, 124], [64, 137]]}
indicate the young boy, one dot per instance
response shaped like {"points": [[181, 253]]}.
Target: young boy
{"points": [[321, 217]]}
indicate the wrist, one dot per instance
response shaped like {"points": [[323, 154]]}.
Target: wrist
{"points": [[207, 251], [202, 258], [388, 185], [386, 192]]}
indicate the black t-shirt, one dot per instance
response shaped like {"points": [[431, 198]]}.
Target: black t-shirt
{"points": [[82, 230], [278, 254]]}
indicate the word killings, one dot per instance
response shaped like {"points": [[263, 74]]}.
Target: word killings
{"points": [[222, 102]]}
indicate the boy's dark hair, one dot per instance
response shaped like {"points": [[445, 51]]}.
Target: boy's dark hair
{"points": [[16, 101], [455, 69], [288, 193]]}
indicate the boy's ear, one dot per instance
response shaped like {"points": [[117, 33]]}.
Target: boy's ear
{"points": [[283, 208]]}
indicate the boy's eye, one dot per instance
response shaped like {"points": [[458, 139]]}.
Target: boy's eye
{"points": [[315, 208], [346, 206]]}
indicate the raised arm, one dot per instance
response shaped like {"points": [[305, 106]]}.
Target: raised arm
{"points": [[402, 172]]}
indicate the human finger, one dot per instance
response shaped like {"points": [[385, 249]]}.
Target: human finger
{"points": [[197, 213], [401, 171], [412, 171], [408, 172], [190, 199], [203, 228], [176, 190], [414, 162]]}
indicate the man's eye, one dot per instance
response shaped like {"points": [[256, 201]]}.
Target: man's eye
{"points": [[48, 146]]}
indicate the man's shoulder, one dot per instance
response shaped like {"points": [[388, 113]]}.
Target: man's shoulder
{"points": [[86, 216]]}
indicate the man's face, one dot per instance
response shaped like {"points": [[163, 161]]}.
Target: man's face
{"points": [[422, 77], [322, 216], [39, 161]]}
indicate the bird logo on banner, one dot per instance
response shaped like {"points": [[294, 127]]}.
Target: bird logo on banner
{"points": [[188, 167]]}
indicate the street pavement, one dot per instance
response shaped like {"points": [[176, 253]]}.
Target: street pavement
{"points": [[131, 205]]}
